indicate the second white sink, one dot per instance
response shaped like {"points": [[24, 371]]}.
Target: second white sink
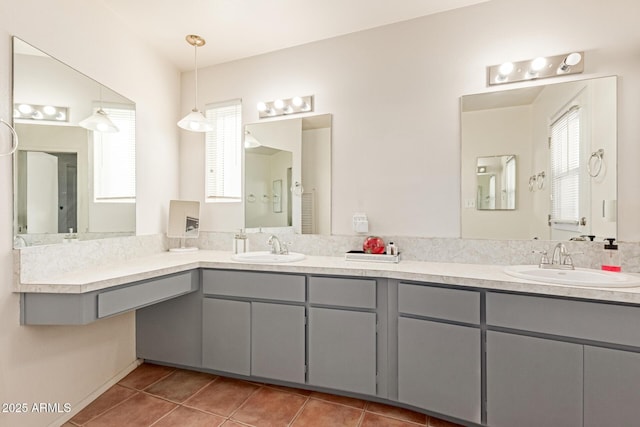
{"points": [[267, 257], [578, 277]]}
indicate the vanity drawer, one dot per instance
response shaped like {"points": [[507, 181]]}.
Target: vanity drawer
{"points": [[243, 284], [342, 292], [145, 293], [442, 303], [578, 319]]}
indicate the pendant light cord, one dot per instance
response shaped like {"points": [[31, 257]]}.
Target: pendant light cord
{"points": [[195, 56]]}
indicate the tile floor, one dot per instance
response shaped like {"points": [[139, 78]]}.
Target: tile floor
{"points": [[161, 396]]}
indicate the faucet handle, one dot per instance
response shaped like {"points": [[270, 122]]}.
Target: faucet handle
{"points": [[284, 247], [544, 257]]}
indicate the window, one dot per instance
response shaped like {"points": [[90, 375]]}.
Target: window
{"points": [[224, 152], [565, 145], [114, 157]]}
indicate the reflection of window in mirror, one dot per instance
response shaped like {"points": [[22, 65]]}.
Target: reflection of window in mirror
{"points": [[115, 157], [224, 152], [567, 182]]}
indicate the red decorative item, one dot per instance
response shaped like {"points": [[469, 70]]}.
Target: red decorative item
{"points": [[373, 245]]}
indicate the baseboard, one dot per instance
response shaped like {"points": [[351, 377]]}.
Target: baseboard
{"points": [[87, 400]]}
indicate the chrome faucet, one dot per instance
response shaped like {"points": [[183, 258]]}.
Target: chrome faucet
{"points": [[561, 259], [277, 247]]}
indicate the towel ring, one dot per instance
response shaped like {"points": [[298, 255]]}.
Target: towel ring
{"points": [[540, 180], [595, 167], [14, 139], [532, 182]]}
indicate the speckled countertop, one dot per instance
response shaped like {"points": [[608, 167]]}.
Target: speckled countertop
{"points": [[454, 274]]}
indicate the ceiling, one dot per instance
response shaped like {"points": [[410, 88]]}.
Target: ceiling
{"points": [[236, 29]]}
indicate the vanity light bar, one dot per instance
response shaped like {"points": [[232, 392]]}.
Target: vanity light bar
{"points": [[281, 107], [40, 112], [537, 68]]}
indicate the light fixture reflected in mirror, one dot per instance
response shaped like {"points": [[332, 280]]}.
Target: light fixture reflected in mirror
{"points": [[250, 141], [541, 67], [195, 121], [99, 121]]}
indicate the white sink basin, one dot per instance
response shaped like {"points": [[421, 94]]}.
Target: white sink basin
{"points": [[267, 257], [578, 277]]}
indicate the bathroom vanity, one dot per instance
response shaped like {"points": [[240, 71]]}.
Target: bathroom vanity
{"points": [[463, 342]]}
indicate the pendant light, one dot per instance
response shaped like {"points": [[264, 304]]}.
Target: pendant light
{"points": [[195, 121], [99, 121]]}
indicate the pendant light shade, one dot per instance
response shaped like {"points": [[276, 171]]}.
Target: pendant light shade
{"points": [[195, 121], [99, 122]]}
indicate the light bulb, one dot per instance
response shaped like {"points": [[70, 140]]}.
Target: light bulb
{"points": [[279, 104], [506, 68], [37, 115], [61, 116], [572, 59], [538, 64], [49, 110], [297, 101], [262, 107], [25, 109]]}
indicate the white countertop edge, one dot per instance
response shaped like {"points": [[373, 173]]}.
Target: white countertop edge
{"points": [[454, 274]]}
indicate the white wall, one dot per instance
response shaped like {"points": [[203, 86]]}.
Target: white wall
{"points": [[394, 94], [66, 364]]}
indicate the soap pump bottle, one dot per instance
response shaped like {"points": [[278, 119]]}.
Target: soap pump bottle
{"points": [[240, 242], [611, 257]]}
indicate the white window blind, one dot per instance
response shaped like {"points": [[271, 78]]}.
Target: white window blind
{"points": [[565, 168], [224, 152], [114, 156]]}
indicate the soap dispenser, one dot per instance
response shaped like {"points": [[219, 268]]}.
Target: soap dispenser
{"points": [[611, 257], [240, 243]]}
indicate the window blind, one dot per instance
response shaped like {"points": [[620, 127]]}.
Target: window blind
{"points": [[224, 152], [565, 167], [115, 158]]}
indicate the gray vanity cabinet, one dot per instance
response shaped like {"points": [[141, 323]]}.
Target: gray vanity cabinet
{"points": [[226, 335], [342, 334], [533, 381], [611, 387], [278, 341], [439, 365], [244, 333]]}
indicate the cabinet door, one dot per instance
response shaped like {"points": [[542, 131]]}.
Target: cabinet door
{"points": [[278, 341], [533, 381], [439, 367], [226, 330], [342, 350], [611, 387]]}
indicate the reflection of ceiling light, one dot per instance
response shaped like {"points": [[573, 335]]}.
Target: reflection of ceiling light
{"points": [[537, 68], [297, 104], [99, 122], [40, 112], [250, 141], [25, 109], [49, 110], [195, 121]]}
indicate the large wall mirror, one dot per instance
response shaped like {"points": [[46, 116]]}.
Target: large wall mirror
{"points": [[287, 174], [564, 138], [70, 183]]}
